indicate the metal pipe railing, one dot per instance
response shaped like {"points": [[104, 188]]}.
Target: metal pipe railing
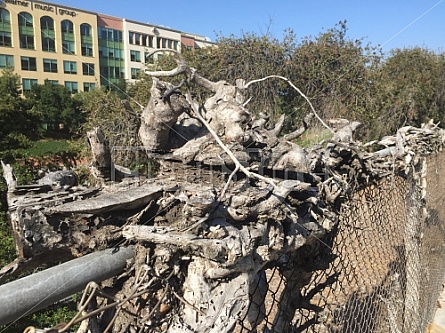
{"points": [[37, 291]]}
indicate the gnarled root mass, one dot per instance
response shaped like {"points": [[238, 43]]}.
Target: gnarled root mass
{"points": [[232, 200]]}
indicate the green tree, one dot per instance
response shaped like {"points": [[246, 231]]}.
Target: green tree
{"points": [[119, 125], [249, 57], [17, 123], [58, 110], [337, 73], [138, 93], [413, 82]]}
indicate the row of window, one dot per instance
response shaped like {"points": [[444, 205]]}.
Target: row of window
{"points": [[135, 56], [165, 43], [136, 38], [49, 65], [46, 23], [72, 86], [110, 34], [27, 38], [111, 53], [48, 44]]}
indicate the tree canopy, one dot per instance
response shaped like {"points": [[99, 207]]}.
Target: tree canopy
{"points": [[342, 77]]}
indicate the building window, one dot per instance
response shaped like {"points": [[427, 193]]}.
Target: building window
{"points": [[112, 72], [131, 38], [67, 26], [68, 43], [5, 28], [5, 38], [149, 58], [150, 41], [135, 55], [135, 38], [25, 20], [28, 64], [52, 82], [5, 18], [135, 73], [85, 30], [46, 23], [68, 47], [48, 44], [87, 86], [70, 67], [88, 69], [28, 83], [48, 34], [87, 50], [110, 53], [110, 34], [6, 61], [50, 65], [86, 40], [72, 86], [26, 42], [26, 31]]}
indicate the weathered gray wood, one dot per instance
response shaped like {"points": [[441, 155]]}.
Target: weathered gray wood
{"points": [[8, 174], [158, 118], [100, 150], [108, 202]]}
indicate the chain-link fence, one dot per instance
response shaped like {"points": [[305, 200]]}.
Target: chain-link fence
{"points": [[380, 270]]}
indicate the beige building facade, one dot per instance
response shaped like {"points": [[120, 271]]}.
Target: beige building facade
{"points": [[141, 40], [44, 41], [79, 49]]}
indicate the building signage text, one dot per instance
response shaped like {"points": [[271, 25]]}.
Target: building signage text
{"points": [[67, 12], [17, 2], [44, 7]]}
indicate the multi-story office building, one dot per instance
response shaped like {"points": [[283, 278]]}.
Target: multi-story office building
{"points": [[77, 48]]}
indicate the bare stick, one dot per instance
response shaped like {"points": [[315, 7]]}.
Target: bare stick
{"points": [[298, 90], [9, 176], [188, 303], [223, 192]]}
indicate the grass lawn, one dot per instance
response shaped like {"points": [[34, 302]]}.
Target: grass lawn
{"points": [[48, 148]]}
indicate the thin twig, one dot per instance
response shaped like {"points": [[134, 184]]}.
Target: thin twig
{"points": [[158, 303], [223, 192], [167, 287], [139, 278], [183, 300], [298, 90], [91, 289]]}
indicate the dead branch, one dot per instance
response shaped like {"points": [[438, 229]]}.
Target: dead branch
{"points": [[8, 174], [296, 89]]}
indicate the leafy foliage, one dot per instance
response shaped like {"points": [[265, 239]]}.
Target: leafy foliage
{"points": [[17, 124], [43, 318], [342, 77], [119, 125], [413, 81], [57, 109]]}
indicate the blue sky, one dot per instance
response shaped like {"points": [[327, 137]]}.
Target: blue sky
{"points": [[390, 23]]}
